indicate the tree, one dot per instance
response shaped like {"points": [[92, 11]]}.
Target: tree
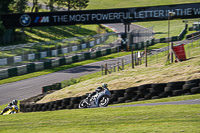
{"points": [[4, 8], [19, 6], [70, 4], [81, 4], [35, 6]]}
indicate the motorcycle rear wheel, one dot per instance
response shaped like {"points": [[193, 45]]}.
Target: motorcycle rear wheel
{"points": [[82, 104], [103, 101]]}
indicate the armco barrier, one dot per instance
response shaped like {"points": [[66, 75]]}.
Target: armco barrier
{"points": [[52, 52], [37, 66], [139, 93]]}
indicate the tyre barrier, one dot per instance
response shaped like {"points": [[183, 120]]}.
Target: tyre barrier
{"points": [[139, 93]]}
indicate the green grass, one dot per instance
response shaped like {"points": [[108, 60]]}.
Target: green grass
{"points": [[107, 4], [162, 119]]}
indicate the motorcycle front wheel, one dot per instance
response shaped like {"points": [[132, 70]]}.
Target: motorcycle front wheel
{"points": [[82, 104], [103, 101]]}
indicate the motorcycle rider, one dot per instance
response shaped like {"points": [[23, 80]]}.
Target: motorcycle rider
{"points": [[12, 105], [97, 90], [105, 91]]}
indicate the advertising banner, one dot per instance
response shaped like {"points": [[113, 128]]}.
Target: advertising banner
{"points": [[180, 52], [123, 15]]}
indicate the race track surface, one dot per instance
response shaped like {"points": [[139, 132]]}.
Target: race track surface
{"points": [[195, 101]]}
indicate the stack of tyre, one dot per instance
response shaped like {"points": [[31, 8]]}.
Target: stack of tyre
{"points": [[143, 92], [155, 91], [67, 103]]}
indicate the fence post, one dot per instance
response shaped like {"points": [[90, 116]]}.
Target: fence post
{"points": [[145, 56], [172, 57], [118, 66], [132, 58], [122, 63], [106, 68], [102, 70]]}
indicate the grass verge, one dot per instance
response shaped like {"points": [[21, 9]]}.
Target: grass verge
{"points": [[162, 119]]}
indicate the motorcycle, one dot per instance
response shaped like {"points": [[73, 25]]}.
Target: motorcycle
{"points": [[101, 98], [11, 110]]}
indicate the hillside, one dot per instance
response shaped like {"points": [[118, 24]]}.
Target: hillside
{"points": [[156, 72]]}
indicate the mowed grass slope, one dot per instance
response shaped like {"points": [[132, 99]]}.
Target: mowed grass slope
{"points": [[146, 119]]}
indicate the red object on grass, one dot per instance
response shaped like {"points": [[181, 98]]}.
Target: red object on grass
{"points": [[180, 52]]}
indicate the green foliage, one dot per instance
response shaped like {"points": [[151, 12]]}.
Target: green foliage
{"points": [[1, 28], [81, 4], [4, 6], [70, 82], [19, 6]]}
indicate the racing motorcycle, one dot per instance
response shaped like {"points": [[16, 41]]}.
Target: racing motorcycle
{"points": [[11, 110], [100, 99]]}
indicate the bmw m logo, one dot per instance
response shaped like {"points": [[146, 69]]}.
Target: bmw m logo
{"points": [[25, 20]]}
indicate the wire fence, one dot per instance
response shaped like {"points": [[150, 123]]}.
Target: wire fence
{"points": [[153, 57]]}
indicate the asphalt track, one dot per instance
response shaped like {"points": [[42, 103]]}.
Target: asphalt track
{"points": [[195, 101]]}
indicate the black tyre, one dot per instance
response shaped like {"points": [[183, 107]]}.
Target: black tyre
{"points": [[159, 85], [137, 97], [168, 89], [143, 91], [195, 90], [121, 99], [55, 106], [176, 84], [76, 106], [164, 94], [189, 86], [103, 101], [157, 90], [197, 81], [141, 99], [44, 108], [131, 90], [81, 105], [60, 108], [145, 86], [155, 97], [75, 100], [150, 95], [66, 101], [177, 92], [128, 101], [119, 93], [58, 102], [129, 96]]}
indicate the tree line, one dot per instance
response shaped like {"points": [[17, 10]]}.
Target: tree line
{"points": [[20, 6]]}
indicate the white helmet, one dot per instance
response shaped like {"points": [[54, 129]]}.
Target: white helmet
{"points": [[14, 102], [104, 85]]}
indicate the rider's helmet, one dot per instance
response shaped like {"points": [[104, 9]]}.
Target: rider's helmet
{"points": [[104, 85], [99, 89], [14, 102]]}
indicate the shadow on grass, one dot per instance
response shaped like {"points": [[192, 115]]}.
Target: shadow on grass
{"points": [[58, 32]]}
